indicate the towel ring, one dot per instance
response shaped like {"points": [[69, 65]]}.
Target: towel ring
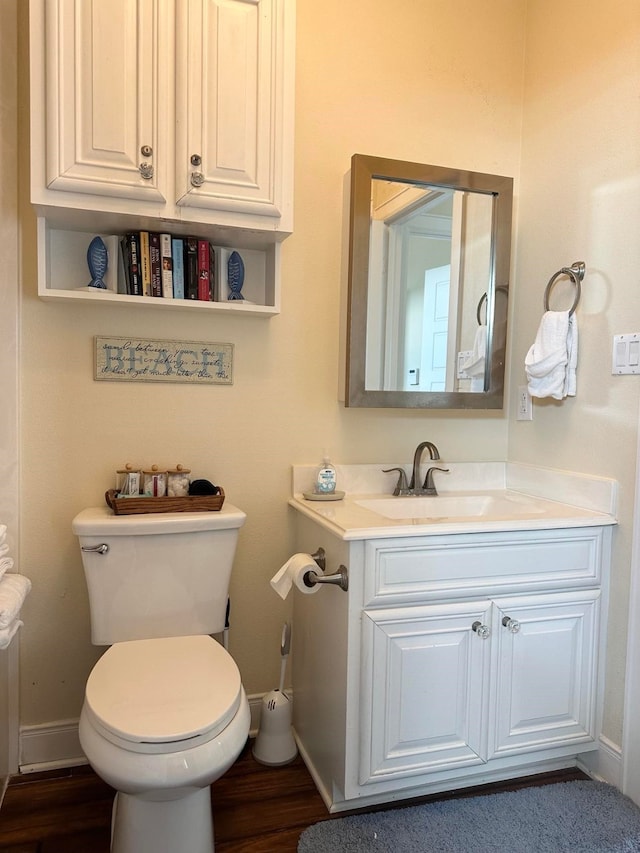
{"points": [[483, 299], [576, 274]]}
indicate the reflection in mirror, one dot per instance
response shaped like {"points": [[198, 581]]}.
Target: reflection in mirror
{"points": [[429, 266]]}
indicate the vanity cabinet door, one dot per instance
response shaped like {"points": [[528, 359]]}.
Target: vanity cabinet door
{"points": [[545, 667], [106, 97], [233, 105], [424, 690]]}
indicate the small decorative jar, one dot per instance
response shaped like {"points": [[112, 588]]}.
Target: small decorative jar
{"points": [[155, 482], [178, 482], [128, 480]]}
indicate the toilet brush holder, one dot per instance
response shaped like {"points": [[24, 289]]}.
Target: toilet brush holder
{"points": [[275, 744]]}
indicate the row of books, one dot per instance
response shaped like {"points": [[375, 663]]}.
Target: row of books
{"points": [[170, 267]]}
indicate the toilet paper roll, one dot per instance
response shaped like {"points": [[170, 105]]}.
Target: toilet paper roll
{"points": [[292, 574]]}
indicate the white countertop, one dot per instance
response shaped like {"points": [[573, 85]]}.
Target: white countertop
{"points": [[578, 501]]}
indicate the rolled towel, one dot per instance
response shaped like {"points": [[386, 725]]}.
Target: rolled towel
{"points": [[13, 591], [4, 550], [6, 564], [7, 634], [3, 532]]}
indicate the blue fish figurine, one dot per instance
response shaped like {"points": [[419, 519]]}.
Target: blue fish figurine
{"points": [[235, 275], [97, 261]]}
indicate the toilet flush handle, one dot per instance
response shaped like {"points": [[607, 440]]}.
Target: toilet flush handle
{"points": [[97, 549]]}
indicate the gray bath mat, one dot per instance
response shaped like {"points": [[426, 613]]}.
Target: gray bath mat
{"points": [[568, 817]]}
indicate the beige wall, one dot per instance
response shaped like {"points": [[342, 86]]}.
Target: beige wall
{"points": [[580, 200], [8, 356], [434, 92], [441, 83]]}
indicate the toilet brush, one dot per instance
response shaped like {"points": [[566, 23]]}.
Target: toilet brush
{"points": [[274, 743]]}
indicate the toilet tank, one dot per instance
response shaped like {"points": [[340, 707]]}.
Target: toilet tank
{"points": [[161, 574]]}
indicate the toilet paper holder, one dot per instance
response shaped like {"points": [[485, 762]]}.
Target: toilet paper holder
{"points": [[339, 578]]}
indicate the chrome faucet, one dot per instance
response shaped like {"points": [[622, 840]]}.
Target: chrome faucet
{"points": [[434, 454], [403, 489]]}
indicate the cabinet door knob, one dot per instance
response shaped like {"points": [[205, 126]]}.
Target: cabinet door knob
{"points": [[146, 151], [511, 624], [197, 179], [196, 159], [146, 170], [481, 630]]}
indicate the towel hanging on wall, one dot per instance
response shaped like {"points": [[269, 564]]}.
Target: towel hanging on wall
{"points": [[7, 634], [552, 359], [474, 366], [14, 588]]}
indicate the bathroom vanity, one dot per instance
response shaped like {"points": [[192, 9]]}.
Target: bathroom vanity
{"points": [[469, 646]]}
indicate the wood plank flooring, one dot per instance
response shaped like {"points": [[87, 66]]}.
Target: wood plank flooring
{"points": [[257, 809]]}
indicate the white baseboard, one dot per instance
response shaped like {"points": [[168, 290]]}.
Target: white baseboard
{"points": [[51, 746], [603, 764]]}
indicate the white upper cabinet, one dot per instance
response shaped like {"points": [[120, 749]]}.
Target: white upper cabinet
{"points": [[105, 116], [233, 145], [179, 109]]}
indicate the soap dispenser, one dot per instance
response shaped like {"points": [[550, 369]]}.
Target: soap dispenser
{"points": [[325, 478]]}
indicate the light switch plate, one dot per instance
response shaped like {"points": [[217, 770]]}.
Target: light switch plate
{"points": [[625, 355]]}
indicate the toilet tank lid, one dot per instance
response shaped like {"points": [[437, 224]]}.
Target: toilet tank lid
{"points": [[101, 521]]}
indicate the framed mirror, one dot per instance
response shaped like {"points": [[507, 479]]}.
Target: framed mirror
{"points": [[429, 259]]}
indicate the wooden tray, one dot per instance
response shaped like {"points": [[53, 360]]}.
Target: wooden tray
{"points": [[191, 503]]}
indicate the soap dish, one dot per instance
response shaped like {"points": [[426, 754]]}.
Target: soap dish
{"points": [[333, 496]]}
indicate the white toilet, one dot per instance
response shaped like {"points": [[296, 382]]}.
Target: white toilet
{"points": [[165, 713]]}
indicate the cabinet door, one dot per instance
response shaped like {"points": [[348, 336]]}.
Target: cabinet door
{"points": [[545, 652], [105, 105], [424, 691], [233, 105]]}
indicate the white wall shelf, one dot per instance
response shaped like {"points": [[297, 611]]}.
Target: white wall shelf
{"points": [[63, 275]]}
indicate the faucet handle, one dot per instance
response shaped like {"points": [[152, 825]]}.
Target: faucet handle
{"points": [[402, 487], [429, 485]]}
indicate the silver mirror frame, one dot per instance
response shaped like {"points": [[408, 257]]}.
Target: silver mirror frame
{"points": [[364, 169]]}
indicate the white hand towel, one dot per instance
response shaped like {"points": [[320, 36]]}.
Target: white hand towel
{"points": [[13, 591], [4, 550], [474, 366], [6, 564], [7, 634], [3, 532], [547, 359], [572, 357]]}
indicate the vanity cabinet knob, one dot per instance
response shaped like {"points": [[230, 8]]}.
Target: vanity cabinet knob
{"points": [[483, 631], [146, 150], [510, 624], [146, 170], [197, 179]]}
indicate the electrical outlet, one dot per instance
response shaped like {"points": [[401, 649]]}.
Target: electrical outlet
{"points": [[463, 357], [525, 404]]}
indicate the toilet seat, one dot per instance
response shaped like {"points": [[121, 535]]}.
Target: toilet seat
{"points": [[155, 695]]}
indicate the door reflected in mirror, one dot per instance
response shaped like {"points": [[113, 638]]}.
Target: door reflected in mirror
{"points": [[429, 266]]}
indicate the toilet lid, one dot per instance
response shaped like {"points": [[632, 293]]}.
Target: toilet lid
{"points": [[164, 690]]}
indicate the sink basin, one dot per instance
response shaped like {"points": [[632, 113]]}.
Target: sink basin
{"points": [[449, 506]]}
